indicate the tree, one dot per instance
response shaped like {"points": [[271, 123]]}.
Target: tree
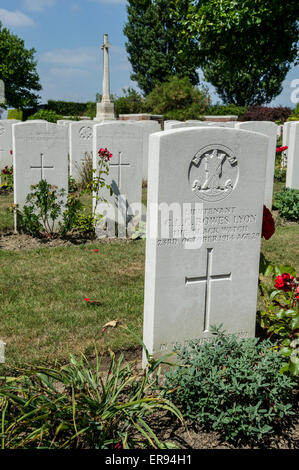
{"points": [[131, 103], [246, 47], [177, 99], [18, 71], [153, 46]]}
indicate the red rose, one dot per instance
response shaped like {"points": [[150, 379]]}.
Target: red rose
{"points": [[268, 227], [284, 282], [104, 154]]}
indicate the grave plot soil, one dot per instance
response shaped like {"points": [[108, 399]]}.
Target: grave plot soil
{"points": [[19, 242]]}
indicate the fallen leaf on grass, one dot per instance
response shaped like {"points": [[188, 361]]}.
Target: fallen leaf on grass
{"points": [[111, 324]]}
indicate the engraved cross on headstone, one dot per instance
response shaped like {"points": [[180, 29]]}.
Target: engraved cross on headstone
{"points": [[207, 279], [119, 166], [42, 167]]}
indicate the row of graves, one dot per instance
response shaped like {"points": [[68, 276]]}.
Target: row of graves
{"points": [[207, 185]]}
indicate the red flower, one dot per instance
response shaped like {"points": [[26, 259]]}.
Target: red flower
{"points": [[105, 154], [87, 299], [268, 227], [95, 251], [284, 282]]}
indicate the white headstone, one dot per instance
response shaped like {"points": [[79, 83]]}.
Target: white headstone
{"points": [[208, 185], [40, 151], [2, 351], [148, 128], [2, 92], [6, 142], [286, 134], [124, 141], [65, 122], [80, 144], [270, 130], [179, 125], [292, 178], [167, 124]]}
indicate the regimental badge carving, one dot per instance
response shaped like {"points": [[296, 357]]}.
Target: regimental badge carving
{"points": [[85, 132], [2, 130], [213, 173]]}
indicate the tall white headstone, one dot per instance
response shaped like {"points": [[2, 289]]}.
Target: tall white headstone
{"points": [[270, 130], [205, 207], [168, 123], [40, 152], [125, 141], [148, 128], [292, 178], [2, 93], [6, 143], [80, 144]]}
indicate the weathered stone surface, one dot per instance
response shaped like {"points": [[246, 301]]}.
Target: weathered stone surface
{"points": [[208, 184], [125, 141], [270, 130], [40, 151], [292, 179]]}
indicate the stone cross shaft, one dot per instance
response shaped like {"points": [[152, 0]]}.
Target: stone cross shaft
{"points": [[42, 167], [106, 80], [207, 279], [119, 166]]}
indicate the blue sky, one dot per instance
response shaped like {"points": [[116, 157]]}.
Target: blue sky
{"points": [[67, 35]]}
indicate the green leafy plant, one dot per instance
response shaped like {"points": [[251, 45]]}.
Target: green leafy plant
{"points": [[287, 202], [78, 406], [6, 179], [42, 208], [140, 231], [46, 115], [231, 385], [177, 98], [85, 222], [15, 114], [85, 173], [225, 109], [73, 186], [280, 315], [70, 215]]}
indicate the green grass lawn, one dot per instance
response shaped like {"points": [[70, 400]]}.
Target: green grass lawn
{"points": [[6, 217], [43, 313]]}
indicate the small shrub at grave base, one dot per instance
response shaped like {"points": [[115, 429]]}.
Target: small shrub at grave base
{"points": [[43, 206], [232, 386], [78, 406], [287, 202], [46, 115], [264, 113], [73, 186], [279, 316], [15, 114]]}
